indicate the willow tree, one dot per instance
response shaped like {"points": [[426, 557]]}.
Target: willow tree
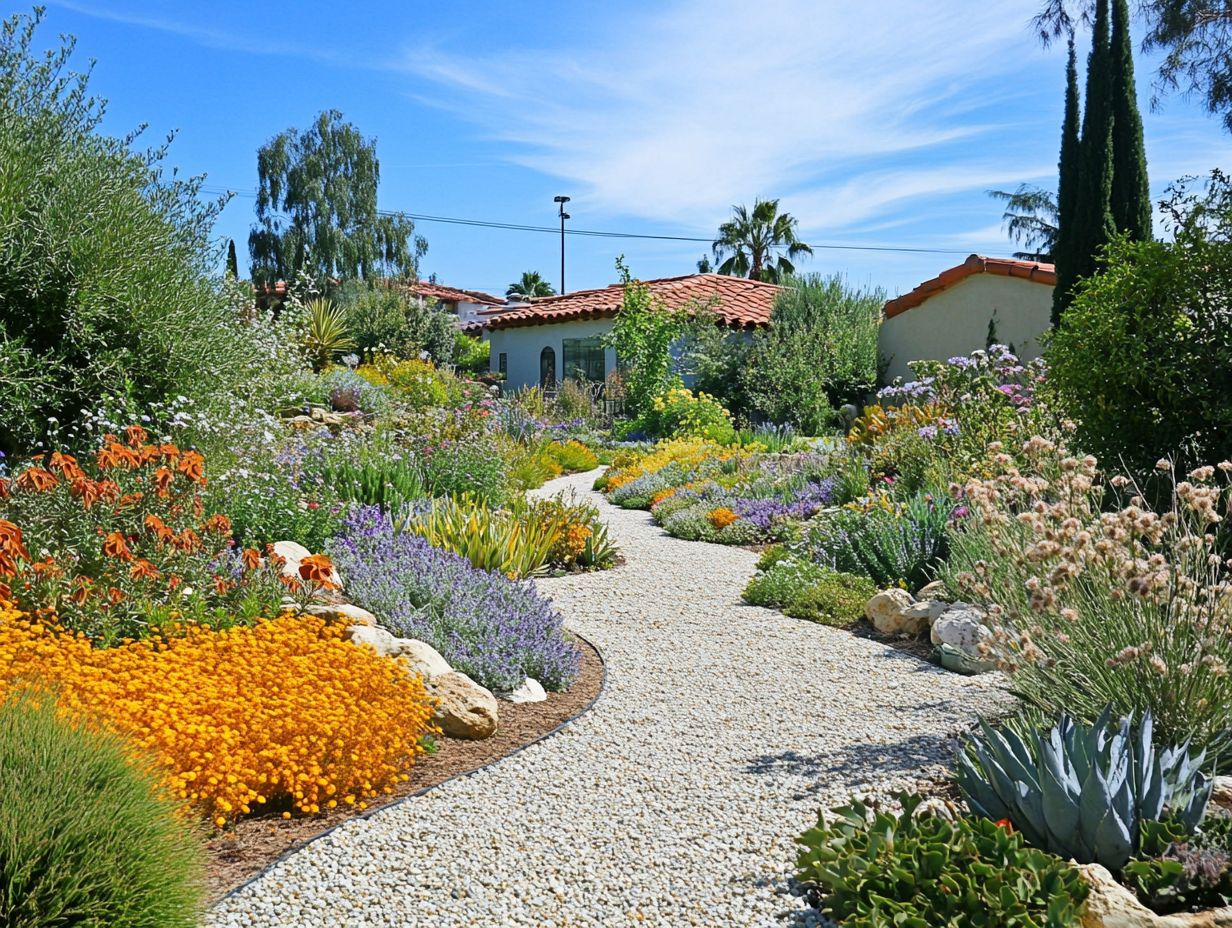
{"points": [[317, 212]]}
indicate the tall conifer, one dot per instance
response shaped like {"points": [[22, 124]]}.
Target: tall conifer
{"points": [[1093, 225], [1067, 190], [233, 262], [1131, 192]]}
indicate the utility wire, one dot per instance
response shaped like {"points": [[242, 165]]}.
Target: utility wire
{"points": [[593, 233]]}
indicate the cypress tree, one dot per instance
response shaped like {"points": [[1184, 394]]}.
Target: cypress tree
{"points": [[1093, 225], [233, 263], [1067, 190], [1131, 192]]}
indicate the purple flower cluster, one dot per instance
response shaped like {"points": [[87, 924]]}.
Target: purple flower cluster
{"points": [[763, 513], [490, 628]]}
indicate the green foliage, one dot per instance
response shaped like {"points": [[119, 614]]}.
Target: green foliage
{"points": [[715, 356], [267, 508], [325, 333], [679, 413], [233, 263], [760, 244], [386, 318], [1180, 869], [317, 209], [905, 545], [87, 837], [1081, 791], [819, 353], [1067, 191], [388, 481], [104, 294], [868, 868], [804, 590], [470, 354], [1030, 218], [572, 456], [473, 467], [642, 336], [1143, 362], [1094, 225], [1130, 197]]}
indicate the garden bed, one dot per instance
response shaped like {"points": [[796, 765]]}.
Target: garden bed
{"points": [[255, 843]]}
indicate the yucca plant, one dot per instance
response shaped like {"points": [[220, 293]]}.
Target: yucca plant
{"points": [[1082, 791], [491, 539], [325, 333]]}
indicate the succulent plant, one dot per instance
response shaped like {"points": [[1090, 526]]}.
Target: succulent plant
{"points": [[1082, 791], [1180, 870], [869, 868]]}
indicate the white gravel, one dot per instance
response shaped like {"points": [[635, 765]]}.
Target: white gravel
{"points": [[676, 799]]}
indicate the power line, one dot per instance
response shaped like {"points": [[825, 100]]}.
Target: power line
{"points": [[595, 233]]}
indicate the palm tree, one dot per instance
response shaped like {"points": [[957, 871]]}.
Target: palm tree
{"points": [[1030, 220], [531, 285], [760, 244]]}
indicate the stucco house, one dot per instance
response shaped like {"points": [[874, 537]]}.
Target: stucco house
{"points": [[965, 308], [467, 305], [553, 338]]}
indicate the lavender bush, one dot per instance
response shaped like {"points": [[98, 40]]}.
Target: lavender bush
{"points": [[495, 631]]}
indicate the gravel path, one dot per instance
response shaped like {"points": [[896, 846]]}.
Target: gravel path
{"points": [[676, 799]]}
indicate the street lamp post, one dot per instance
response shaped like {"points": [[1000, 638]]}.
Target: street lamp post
{"points": [[563, 216]]}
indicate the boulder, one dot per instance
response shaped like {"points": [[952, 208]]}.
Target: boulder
{"points": [[342, 612], [420, 657], [1221, 792], [375, 637], [293, 553], [933, 592], [1111, 905], [531, 690], [961, 626], [924, 611], [885, 611], [464, 708]]}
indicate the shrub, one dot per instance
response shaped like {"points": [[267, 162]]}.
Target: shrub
{"points": [[472, 467], [1095, 600], [89, 838], [903, 545], [386, 318], [348, 391], [117, 310], [819, 352], [867, 868], [390, 481], [642, 336], [806, 591], [573, 456], [417, 383], [1080, 791], [496, 631], [679, 413], [325, 335], [471, 354], [117, 543], [1143, 356], [283, 714]]}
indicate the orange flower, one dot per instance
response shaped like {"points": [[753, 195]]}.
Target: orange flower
{"points": [[115, 546], [36, 479], [173, 582], [158, 528], [187, 540], [192, 466], [219, 524], [143, 570], [86, 490], [222, 585], [148, 454], [67, 466], [1006, 824], [46, 566], [136, 436], [162, 481], [115, 596], [4, 488], [131, 499], [721, 518], [82, 591], [116, 455], [170, 452], [108, 489], [291, 583], [317, 568], [252, 558]]}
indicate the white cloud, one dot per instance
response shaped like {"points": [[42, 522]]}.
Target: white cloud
{"points": [[676, 115]]}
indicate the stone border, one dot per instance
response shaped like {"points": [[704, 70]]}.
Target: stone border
{"points": [[368, 813]]}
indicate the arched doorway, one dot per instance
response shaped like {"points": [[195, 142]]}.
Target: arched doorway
{"points": [[547, 368]]}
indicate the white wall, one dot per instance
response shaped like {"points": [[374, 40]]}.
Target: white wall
{"points": [[523, 345], [955, 322]]}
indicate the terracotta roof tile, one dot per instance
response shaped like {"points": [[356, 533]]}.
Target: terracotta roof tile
{"points": [[976, 264], [426, 288], [737, 301]]}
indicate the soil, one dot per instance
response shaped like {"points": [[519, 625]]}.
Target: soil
{"points": [[918, 645], [254, 843]]}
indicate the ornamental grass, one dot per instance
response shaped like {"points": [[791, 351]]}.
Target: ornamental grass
{"points": [[283, 716]]}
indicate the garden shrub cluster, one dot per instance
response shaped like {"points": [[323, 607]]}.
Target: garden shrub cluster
{"points": [[805, 590], [284, 715]]}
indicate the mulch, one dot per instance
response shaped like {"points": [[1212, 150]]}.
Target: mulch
{"points": [[254, 843]]}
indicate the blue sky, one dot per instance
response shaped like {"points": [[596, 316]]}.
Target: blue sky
{"points": [[876, 124]]}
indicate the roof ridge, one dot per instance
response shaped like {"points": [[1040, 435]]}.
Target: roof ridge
{"points": [[1034, 271]]}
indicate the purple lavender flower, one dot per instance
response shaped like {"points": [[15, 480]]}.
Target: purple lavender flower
{"points": [[490, 628], [928, 431]]}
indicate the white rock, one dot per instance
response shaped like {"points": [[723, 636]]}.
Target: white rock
{"points": [[531, 690], [375, 637], [1221, 792], [925, 612], [292, 551], [420, 657], [1111, 905], [962, 627], [885, 611], [934, 591], [343, 612], [465, 709]]}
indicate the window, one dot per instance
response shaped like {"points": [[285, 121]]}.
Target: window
{"points": [[502, 364], [585, 359], [547, 368]]}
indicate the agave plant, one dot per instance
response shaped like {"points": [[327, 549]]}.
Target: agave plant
{"points": [[1080, 791], [325, 332]]}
